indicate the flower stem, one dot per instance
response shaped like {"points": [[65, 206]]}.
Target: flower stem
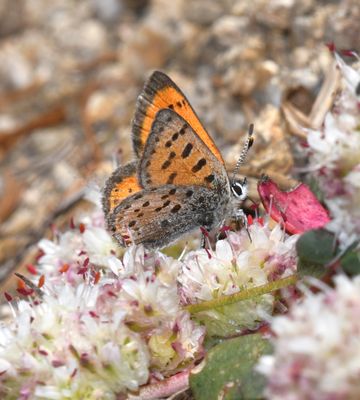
{"points": [[243, 295]]}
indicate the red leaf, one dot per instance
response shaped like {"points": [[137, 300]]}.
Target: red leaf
{"points": [[298, 209]]}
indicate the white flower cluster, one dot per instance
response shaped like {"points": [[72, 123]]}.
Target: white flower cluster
{"points": [[86, 242], [317, 346], [61, 348], [335, 157], [103, 325], [238, 263]]}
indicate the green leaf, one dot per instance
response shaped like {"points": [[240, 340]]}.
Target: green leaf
{"points": [[315, 188], [310, 269], [317, 246], [229, 370], [315, 249], [212, 341], [350, 261]]}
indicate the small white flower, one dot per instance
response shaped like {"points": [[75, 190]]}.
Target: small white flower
{"points": [[80, 246], [317, 346], [176, 344], [237, 264], [334, 155], [61, 347]]}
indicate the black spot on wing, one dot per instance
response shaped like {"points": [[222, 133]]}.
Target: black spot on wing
{"points": [[209, 178], [187, 150], [197, 167], [176, 208], [166, 164], [182, 131], [171, 178]]}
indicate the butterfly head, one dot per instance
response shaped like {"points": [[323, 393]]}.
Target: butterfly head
{"points": [[239, 189]]}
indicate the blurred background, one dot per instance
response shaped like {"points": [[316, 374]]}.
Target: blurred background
{"points": [[70, 72]]}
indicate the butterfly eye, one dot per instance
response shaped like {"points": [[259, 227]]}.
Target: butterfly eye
{"points": [[239, 189]]}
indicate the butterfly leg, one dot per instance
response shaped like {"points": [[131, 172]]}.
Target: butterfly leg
{"points": [[241, 216], [222, 230], [203, 241], [204, 237]]}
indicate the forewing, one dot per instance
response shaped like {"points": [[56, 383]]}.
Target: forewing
{"points": [[174, 154], [122, 183], [161, 92], [156, 217]]}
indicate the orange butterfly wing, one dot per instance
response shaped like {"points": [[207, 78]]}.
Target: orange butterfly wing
{"points": [[174, 154], [122, 183], [161, 92]]}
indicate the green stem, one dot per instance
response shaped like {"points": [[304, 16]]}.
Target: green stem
{"points": [[243, 295]]}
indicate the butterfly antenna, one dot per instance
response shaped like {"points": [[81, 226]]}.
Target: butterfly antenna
{"points": [[249, 142]]}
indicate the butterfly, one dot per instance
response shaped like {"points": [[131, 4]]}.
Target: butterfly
{"points": [[178, 181]]}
